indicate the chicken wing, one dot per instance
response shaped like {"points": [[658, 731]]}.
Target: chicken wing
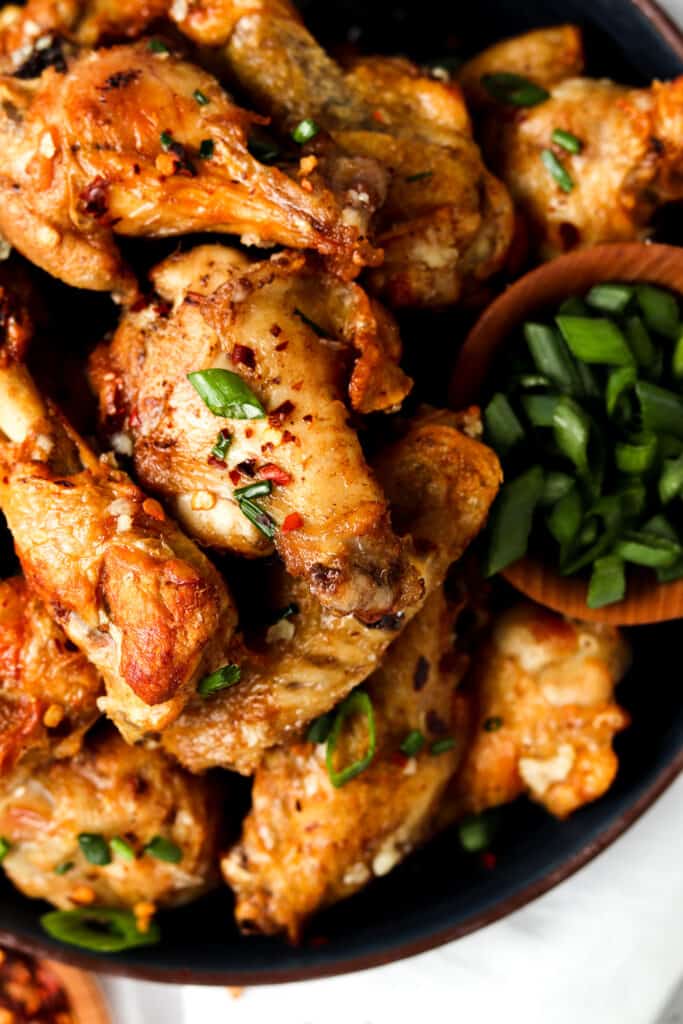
{"points": [[306, 844], [110, 790], [631, 145], [326, 514], [544, 714], [48, 690], [145, 606], [119, 144], [440, 484]]}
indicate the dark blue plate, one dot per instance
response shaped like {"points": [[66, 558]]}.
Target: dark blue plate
{"points": [[440, 894]]}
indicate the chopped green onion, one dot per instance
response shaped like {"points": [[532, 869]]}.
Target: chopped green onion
{"points": [[648, 549], [357, 702], [319, 729], [595, 340], [442, 746], [636, 456], [413, 743], [166, 140], [660, 310], [619, 381], [201, 99], [503, 429], [571, 427], [420, 176], [610, 298], [670, 480], [65, 868], [493, 723], [259, 489], [551, 357], [677, 359], [567, 140], [476, 832], [260, 519], [305, 131], [564, 518], [555, 486], [633, 496], [206, 149], [100, 929], [573, 306], [607, 582], [164, 849], [526, 381], [222, 445], [316, 328], [221, 679], [661, 527], [264, 150], [511, 519], [557, 170], [122, 849], [226, 394], [669, 573], [157, 46], [540, 409], [94, 848], [5, 847], [661, 409], [507, 87], [640, 342]]}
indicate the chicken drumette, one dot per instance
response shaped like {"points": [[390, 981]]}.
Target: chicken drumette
{"points": [[300, 339], [630, 143], [128, 141]]}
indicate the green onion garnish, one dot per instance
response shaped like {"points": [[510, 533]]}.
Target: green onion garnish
{"points": [[222, 446], [305, 131], [94, 848], [511, 519], [619, 381], [260, 519], [5, 847], [221, 679], [507, 87], [555, 485], [503, 429], [413, 743], [552, 358], [157, 46], [65, 868], [571, 428], [635, 456], [357, 702], [565, 517], [259, 489], [640, 342], [319, 729], [567, 140], [264, 150], [670, 480], [607, 582], [226, 394], [648, 549], [476, 832], [100, 929], [201, 99], [661, 409], [166, 140], [557, 171], [320, 331], [442, 746], [164, 849], [122, 848], [595, 340], [206, 149], [660, 310], [610, 298]]}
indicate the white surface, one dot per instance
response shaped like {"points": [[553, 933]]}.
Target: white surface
{"points": [[604, 947]]}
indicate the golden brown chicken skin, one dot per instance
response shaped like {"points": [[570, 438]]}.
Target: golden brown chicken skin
{"points": [[440, 483], [306, 844], [329, 517], [544, 714], [631, 147], [119, 145], [145, 606], [110, 790], [48, 690]]}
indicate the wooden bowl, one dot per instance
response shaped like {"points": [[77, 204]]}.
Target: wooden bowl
{"points": [[547, 286]]}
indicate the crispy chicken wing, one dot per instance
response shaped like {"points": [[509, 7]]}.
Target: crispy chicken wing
{"points": [[631, 145], [110, 790], [306, 844], [262, 321], [139, 599], [119, 144], [48, 690], [440, 484], [544, 714]]}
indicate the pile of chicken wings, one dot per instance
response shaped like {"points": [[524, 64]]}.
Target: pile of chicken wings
{"points": [[132, 681]]}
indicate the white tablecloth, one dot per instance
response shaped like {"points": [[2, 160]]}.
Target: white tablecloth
{"points": [[604, 947]]}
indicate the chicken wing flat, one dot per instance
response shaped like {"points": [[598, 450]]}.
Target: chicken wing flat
{"points": [[630, 145], [440, 484], [328, 517], [144, 605], [48, 689], [544, 714], [110, 790], [118, 144], [306, 844]]}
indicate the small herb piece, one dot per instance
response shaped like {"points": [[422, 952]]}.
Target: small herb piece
{"points": [[122, 849], [511, 519], [221, 679], [63, 869], [607, 582], [413, 743], [164, 849], [305, 131], [5, 847], [166, 140], [206, 148], [567, 140], [610, 298], [442, 746], [94, 848], [319, 729], [357, 702], [503, 428], [157, 46], [595, 340], [476, 832], [320, 331], [222, 446], [201, 99], [100, 929], [420, 176], [507, 87], [226, 394], [660, 310], [260, 519], [557, 170], [259, 489], [493, 723]]}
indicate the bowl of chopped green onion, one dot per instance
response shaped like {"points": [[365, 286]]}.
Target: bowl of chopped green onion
{"points": [[578, 368]]}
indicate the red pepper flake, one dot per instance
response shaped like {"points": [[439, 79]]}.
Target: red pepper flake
{"points": [[281, 346], [292, 522], [287, 437], [272, 472], [220, 463], [276, 330], [162, 308], [193, 298], [249, 432], [235, 476], [244, 355], [308, 418], [488, 860], [279, 415], [134, 418], [378, 116], [298, 385], [142, 302]]}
